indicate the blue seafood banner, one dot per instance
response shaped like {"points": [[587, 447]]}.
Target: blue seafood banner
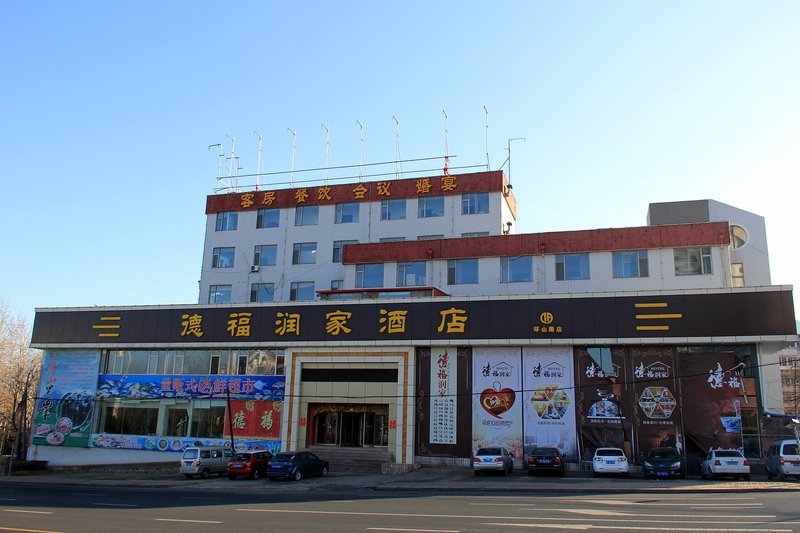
{"points": [[164, 386], [177, 444]]}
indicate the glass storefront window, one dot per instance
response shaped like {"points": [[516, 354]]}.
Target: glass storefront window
{"points": [[177, 422], [129, 420], [208, 422]]}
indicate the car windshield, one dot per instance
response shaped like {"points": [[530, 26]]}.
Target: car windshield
{"points": [[609, 453], [663, 453], [489, 451], [190, 454], [544, 451], [283, 458], [790, 449], [242, 457], [729, 453]]}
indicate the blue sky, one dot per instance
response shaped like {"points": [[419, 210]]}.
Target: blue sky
{"points": [[109, 108]]}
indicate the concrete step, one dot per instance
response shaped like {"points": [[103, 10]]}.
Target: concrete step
{"points": [[353, 460]]}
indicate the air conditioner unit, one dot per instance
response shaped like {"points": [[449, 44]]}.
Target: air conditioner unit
{"points": [[254, 268]]}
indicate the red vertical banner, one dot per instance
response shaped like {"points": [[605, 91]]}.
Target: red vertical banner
{"points": [[656, 415], [252, 418]]}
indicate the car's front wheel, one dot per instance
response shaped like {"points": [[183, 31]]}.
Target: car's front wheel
{"points": [[256, 473], [298, 475], [205, 473], [324, 471]]}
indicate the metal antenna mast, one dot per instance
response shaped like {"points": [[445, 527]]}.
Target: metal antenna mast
{"points": [[232, 157], [327, 149], [219, 161], [294, 155], [398, 165], [509, 155], [361, 163], [446, 168], [486, 120], [258, 165]]}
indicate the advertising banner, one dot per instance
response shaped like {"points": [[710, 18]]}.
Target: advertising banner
{"points": [[549, 399], [254, 419], [181, 386], [177, 444], [602, 414], [66, 398], [444, 392], [655, 406], [497, 414]]}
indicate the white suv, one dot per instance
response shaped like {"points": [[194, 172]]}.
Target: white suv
{"points": [[783, 459], [610, 461]]}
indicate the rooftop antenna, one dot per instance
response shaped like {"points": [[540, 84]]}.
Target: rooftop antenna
{"points": [[327, 149], [486, 121], [232, 157], [294, 155], [446, 168], [219, 160], [258, 165], [509, 155], [361, 163], [397, 165]]}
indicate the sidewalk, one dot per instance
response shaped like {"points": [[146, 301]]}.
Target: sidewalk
{"points": [[433, 479]]}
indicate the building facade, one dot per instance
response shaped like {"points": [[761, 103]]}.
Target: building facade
{"points": [[430, 336]]}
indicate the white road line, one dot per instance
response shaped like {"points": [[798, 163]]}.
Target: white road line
{"points": [[691, 504], [643, 528], [415, 530], [26, 511], [650, 515], [102, 504], [188, 521]]}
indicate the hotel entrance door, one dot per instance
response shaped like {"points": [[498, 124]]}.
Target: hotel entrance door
{"points": [[349, 424]]}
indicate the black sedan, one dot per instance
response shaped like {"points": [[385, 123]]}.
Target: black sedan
{"points": [[664, 462], [296, 466], [546, 460]]}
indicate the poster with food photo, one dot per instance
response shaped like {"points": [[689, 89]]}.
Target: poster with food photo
{"points": [[496, 399]]}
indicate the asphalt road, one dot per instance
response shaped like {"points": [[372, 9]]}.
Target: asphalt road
{"points": [[44, 508]]}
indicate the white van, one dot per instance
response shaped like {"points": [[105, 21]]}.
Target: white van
{"points": [[204, 461], [783, 459]]}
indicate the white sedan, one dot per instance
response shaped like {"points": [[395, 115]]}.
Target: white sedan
{"points": [[725, 463], [610, 461]]}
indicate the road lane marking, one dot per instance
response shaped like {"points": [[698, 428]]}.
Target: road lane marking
{"points": [[414, 530], [642, 528], [651, 515], [102, 504], [692, 505], [20, 530], [188, 521], [26, 511]]}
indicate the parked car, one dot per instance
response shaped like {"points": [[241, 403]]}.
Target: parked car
{"points": [[664, 462], [204, 461], [296, 466], [493, 459], [546, 460], [725, 463], [610, 461], [250, 464], [783, 459]]}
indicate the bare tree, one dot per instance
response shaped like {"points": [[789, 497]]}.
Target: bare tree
{"points": [[20, 367]]}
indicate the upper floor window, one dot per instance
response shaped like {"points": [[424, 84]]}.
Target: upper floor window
{"points": [[738, 236], [393, 209], [227, 221], [304, 253], [474, 203], [306, 215], [430, 206], [516, 269], [337, 284], [369, 275], [268, 218], [475, 234], [265, 254], [692, 261], [462, 271], [219, 294], [631, 264], [338, 246], [737, 274], [346, 213], [262, 292], [572, 266], [411, 273], [301, 291], [392, 239], [223, 257], [430, 237]]}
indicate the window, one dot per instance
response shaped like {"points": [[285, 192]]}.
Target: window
{"points": [[208, 423], [737, 274], [223, 257], [337, 249], [122, 419], [268, 218], [516, 269], [304, 253], [369, 275], [337, 284], [265, 254], [430, 206], [692, 261], [301, 291], [219, 294], [392, 239], [738, 236], [306, 215], [177, 422], [227, 221], [346, 213], [152, 363], [241, 364], [630, 264], [393, 209], [462, 271], [411, 273], [214, 365], [262, 292], [430, 237], [475, 203], [572, 266], [475, 234]]}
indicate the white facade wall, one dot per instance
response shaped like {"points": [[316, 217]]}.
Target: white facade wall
{"points": [[753, 254]]}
